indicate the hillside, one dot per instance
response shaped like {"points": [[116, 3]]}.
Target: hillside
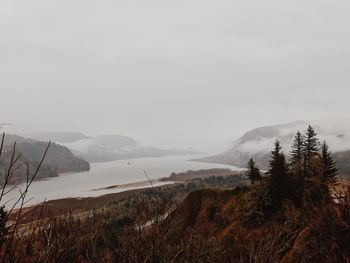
{"points": [[343, 159], [298, 212], [104, 148], [59, 159], [256, 144], [288, 234], [59, 137]]}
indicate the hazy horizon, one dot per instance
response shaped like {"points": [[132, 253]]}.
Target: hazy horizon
{"points": [[173, 74]]}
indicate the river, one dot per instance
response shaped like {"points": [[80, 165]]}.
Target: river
{"points": [[101, 175]]}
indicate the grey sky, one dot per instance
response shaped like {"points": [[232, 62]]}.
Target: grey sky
{"points": [[172, 73]]}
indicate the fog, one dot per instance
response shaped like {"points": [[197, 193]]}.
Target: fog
{"points": [[172, 73]]}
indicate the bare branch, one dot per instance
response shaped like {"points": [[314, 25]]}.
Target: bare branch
{"points": [[148, 178], [2, 143]]}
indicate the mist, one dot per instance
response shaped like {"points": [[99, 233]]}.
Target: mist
{"points": [[172, 74]]}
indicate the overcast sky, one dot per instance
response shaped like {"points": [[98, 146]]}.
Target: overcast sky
{"points": [[173, 73]]}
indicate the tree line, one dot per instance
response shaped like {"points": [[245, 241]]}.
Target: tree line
{"points": [[310, 164]]}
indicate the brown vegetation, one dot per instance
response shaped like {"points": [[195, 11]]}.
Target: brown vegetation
{"points": [[227, 223]]}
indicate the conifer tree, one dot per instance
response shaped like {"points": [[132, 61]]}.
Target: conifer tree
{"points": [[296, 152], [330, 170], [278, 174], [275, 154], [296, 165], [311, 148], [253, 171], [311, 142]]}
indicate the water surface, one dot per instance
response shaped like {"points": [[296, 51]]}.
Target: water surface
{"points": [[105, 174]]}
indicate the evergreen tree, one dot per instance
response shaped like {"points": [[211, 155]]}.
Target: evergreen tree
{"points": [[253, 171], [275, 154], [311, 148], [278, 175], [296, 165], [330, 170], [296, 152]]}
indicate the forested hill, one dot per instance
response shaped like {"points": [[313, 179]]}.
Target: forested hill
{"points": [[105, 148], [59, 159], [256, 143]]}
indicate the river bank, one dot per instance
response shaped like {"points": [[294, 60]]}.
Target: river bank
{"points": [[122, 175], [80, 205]]}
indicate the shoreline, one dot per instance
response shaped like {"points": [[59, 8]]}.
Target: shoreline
{"points": [[135, 185], [66, 205], [108, 178]]}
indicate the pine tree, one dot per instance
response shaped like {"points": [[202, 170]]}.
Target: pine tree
{"points": [[275, 154], [253, 171], [278, 175], [311, 148], [330, 170], [296, 152], [296, 165]]}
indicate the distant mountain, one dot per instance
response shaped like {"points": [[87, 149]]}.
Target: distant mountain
{"points": [[59, 137], [103, 148], [59, 158], [343, 159], [258, 143], [115, 141]]}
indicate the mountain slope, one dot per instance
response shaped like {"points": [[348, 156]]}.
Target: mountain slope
{"points": [[228, 218], [258, 143], [103, 148], [59, 137], [343, 160], [59, 159]]}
